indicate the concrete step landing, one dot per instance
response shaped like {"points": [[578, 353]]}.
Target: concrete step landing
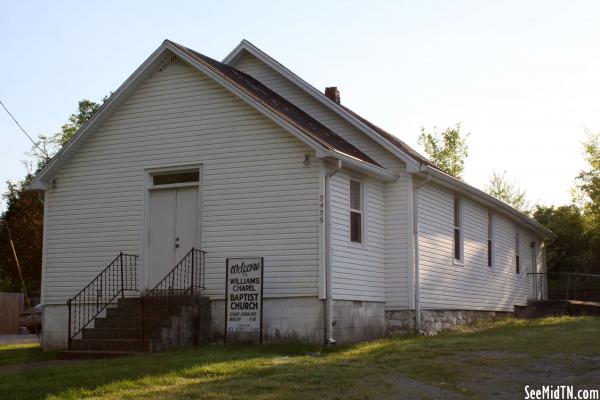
{"points": [[552, 308]]}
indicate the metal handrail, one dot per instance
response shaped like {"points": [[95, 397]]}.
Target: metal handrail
{"points": [[171, 292], [114, 280]]}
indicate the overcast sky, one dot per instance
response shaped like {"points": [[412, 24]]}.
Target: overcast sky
{"points": [[521, 76]]}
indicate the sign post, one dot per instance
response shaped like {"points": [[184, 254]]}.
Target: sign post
{"points": [[243, 296]]}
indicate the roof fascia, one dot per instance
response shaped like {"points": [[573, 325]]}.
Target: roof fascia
{"points": [[487, 200], [42, 180], [366, 168], [411, 163]]}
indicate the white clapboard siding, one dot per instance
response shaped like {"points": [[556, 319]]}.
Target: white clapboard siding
{"points": [[258, 199], [358, 271], [396, 205], [398, 212], [472, 285]]}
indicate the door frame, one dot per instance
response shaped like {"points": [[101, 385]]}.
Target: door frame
{"points": [[148, 187]]}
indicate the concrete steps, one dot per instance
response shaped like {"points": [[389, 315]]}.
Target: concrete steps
{"points": [[120, 331], [113, 344], [112, 333]]}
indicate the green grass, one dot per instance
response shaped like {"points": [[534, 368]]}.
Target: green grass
{"points": [[23, 353], [452, 361]]}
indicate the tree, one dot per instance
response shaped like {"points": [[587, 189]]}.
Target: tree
{"points": [[508, 192], [577, 226], [25, 218], [448, 149], [25, 213], [570, 251], [52, 144], [587, 183]]}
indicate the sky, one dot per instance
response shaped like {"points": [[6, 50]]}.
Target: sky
{"points": [[521, 77]]}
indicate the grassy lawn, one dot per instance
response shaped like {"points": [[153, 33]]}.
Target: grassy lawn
{"points": [[486, 360], [23, 353]]}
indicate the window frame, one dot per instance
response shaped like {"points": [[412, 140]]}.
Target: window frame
{"points": [[151, 173], [460, 228], [518, 253], [361, 211], [490, 240], [534, 256]]}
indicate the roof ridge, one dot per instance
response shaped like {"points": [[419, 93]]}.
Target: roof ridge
{"points": [[281, 106]]}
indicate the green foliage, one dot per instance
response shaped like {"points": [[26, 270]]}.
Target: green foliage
{"points": [[25, 218], [570, 250], [577, 226], [25, 213], [448, 149], [85, 110], [588, 182], [52, 144], [508, 192]]}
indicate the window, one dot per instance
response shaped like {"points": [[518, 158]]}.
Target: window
{"points": [[490, 243], [458, 245], [356, 214], [517, 258], [533, 257], [175, 177]]}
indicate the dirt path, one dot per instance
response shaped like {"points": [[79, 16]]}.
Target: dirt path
{"points": [[503, 375]]}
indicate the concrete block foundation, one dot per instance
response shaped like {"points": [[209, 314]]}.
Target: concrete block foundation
{"points": [[189, 327], [355, 321], [284, 319], [435, 321], [300, 319]]}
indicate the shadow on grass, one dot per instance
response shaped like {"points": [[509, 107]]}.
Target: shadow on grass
{"points": [[289, 371], [11, 354]]}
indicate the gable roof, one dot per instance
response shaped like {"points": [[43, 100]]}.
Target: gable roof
{"points": [[275, 102], [415, 162], [272, 105], [392, 144], [323, 140]]}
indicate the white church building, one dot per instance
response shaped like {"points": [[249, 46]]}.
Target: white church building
{"points": [[361, 236]]}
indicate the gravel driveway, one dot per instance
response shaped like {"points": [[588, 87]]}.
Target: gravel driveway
{"points": [[17, 338]]}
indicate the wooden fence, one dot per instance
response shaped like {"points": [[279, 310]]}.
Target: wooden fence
{"points": [[11, 305]]}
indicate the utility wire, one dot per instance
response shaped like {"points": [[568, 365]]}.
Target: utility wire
{"points": [[14, 251], [23, 130]]}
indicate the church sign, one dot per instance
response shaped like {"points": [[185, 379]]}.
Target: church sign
{"points": [[243, 297]]}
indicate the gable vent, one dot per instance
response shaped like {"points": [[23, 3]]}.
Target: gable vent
{"points": [[173, 60]]}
